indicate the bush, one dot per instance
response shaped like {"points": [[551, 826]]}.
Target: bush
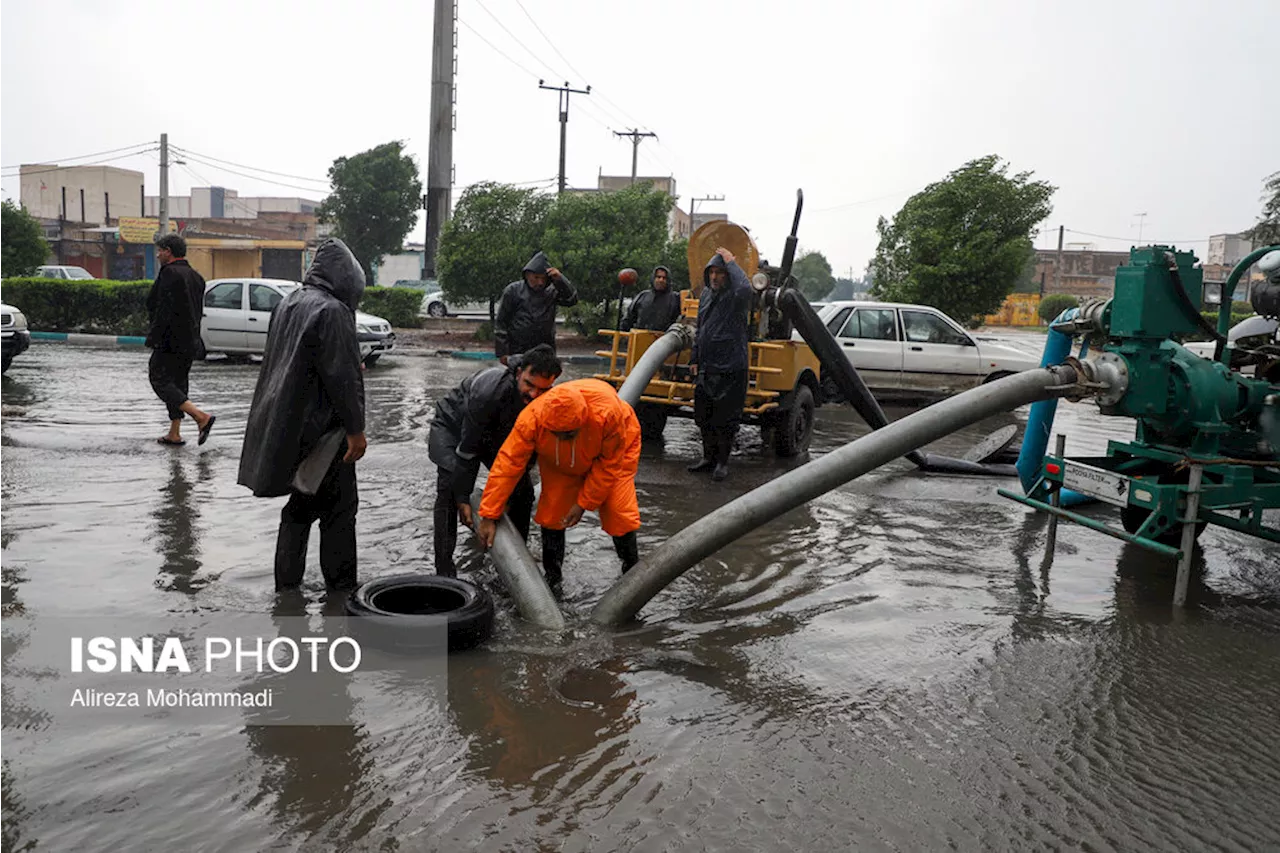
{"points": [[399, 306], [588, 319], [94, 307], [1055, 303], [484, 332]]}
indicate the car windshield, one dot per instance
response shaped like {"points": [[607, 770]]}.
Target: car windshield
{"points": [[286, 289], [76, 272]]}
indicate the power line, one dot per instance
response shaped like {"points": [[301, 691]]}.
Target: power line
{"points": [[864, 201], [497, 49], [1124, 239], [251, 168], [550, 43], [80, 165], [90, 156], [190, 156], [517, 40]]}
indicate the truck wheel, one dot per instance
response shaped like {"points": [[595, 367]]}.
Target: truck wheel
{"points": [[795, 425], [372, 359], [653, 420]]}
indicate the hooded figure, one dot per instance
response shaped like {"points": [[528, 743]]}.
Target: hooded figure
{"points": [[310, 387], [657, 308], [527, 311], [470, 424], [720, 353], [588, 445]]}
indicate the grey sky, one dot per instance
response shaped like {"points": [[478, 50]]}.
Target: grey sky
{"points": [[1128, 106]]}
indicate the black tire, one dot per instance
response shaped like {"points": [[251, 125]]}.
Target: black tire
{"points": [[403, 613], [201, 352], [794, 428], [1133, 517], [7, 360], [653, 420], [997, 375], [438, 309], [372, 359]]}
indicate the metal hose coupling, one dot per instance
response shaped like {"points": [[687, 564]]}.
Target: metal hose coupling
{"points": [[1106, 377], [684, 331]]}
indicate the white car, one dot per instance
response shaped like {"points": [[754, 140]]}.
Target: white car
{"points": [[237, 315], [1249, 333], [13, 326], [76, 273], [433, 302], [915, 349]]}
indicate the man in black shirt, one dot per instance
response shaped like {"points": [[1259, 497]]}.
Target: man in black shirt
{"points": [[174, 307]]}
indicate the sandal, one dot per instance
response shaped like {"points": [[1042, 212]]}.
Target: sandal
{"points": [[164, 439]]}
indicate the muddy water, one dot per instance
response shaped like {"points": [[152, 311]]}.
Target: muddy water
{"points": [[891, 667]]}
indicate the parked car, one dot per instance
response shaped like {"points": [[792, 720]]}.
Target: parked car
{"points": [[915, 349], [13, 325], [433, 301], [237, 316], [53, 271], [1249, 333]]}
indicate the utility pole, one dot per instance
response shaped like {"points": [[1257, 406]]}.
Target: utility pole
{"points": [[164, 184], [564, 91], [635, 136], [1057, 266], [1141, 221], [693, 202], [444, 66]]}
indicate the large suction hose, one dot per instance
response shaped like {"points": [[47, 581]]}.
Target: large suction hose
{"points": [[834, 364], [678, 337], [521, 575], [760, 506]]}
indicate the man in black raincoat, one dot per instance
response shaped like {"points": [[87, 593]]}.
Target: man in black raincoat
{"points": [[174, 306], [720, 360], [526, 314], [468, 429], [310, 397], [655, 309]]}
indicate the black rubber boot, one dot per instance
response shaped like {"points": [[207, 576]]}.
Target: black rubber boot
{"points": [[552, 555], [291, 554], [724, 446], [708, 453], [628, 550], [445, 537]]}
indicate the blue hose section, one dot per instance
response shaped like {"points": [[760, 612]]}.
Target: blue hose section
{"points": [[1035, 440]]}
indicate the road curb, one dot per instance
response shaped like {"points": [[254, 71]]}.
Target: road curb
{"points": [[90, 340], [474, 355]]}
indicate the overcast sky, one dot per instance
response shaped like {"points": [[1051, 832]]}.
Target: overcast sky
{"points": [[1164, 107]]}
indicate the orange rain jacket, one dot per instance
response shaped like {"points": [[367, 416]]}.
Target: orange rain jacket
{"points": [[596, 469]]}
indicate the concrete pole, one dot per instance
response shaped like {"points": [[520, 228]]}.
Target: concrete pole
{"points": [[164, 184], [439, 203], [1057, 265]]}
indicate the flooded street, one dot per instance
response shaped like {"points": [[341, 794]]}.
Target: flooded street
{"points": [[891, 667]]}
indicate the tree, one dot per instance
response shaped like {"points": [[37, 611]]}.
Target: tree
{"points": [[960, 244], [594, 235], [24, 247], [1054, 304], [494, 231], [844, 289], [675, 257], [375, 202], [1267, 231], [813, 273]]}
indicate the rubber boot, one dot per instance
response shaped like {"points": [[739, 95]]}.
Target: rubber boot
{"points": [[552, 555], [708, 453], [445, 539], [628, 550], [291, 554], [724, 446]]}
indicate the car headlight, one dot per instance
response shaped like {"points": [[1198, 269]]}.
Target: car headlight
{"points": [[363, 329]]}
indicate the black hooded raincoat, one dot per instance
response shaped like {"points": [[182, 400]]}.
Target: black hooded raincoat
{"points": [[527, 317]]}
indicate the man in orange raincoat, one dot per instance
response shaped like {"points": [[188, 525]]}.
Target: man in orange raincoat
{"points": [[588, 446]]}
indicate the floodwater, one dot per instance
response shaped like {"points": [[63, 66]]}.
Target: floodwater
{"points": [[892, 667]]}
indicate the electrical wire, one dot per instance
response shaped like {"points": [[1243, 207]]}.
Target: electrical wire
{"points": [[190, 156], [90, 156], [1125, 239], [251, 168], [517, 39], [79, 165], [497, 49]]}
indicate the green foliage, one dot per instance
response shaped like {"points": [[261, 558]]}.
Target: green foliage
{"points": [[813, 273], [1054, 304], [484, 332], [399, 306], [1028, 281], [22, 243], [960, 244], [593, 236], [1267, 231], [494, 231], [93, 307], [588, 318], [375, 201], [675, 257]]}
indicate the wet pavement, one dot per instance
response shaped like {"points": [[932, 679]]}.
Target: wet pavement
{"points": [[892, 666]]}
